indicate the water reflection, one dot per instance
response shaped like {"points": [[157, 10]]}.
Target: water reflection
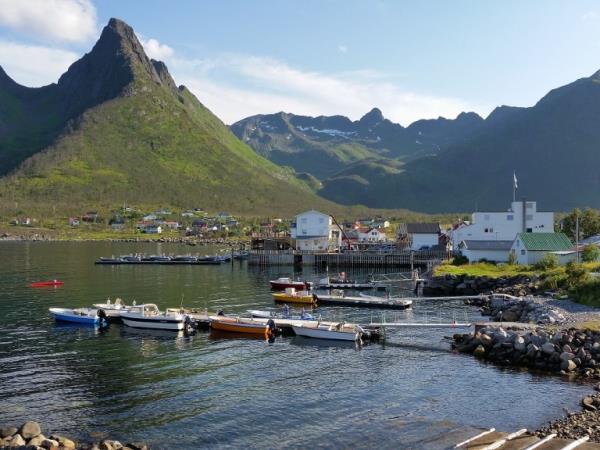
{"points": [[178, 391]]}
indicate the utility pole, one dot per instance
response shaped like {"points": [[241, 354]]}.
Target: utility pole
{"points": [[577, 237]]}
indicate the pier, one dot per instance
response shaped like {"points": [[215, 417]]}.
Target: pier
{"points": [[407, 258]]}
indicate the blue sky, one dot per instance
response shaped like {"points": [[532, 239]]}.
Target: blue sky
{"points": [[413, 60]]}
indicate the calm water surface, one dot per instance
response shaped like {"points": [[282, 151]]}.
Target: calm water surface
{"points": [[179, 392]]}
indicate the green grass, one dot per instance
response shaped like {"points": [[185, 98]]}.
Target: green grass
{"points": [[483, 270]]}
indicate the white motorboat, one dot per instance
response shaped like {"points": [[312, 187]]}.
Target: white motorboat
{"points": [[113, 310], [150, 317], [263, 314], [336, 331]]}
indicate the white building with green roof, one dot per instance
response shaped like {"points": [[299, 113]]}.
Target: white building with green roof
{"points": [[530, 248]]}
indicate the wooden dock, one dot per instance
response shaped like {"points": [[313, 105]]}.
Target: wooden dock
{"points": [[522, 440], [425, 258]]}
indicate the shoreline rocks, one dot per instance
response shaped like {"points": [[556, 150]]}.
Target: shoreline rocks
{"points": [[567, 352], [577, 424], [447, 285], [29, 437], [506, 308]]}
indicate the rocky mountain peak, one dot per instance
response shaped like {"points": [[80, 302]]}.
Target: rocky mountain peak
{"points": [[371, 118]]}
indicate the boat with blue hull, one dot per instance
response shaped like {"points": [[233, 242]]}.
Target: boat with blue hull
{"points": [[82, 316]]}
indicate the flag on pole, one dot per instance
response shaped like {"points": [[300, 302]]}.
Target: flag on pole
{"points": [[515, 180]]}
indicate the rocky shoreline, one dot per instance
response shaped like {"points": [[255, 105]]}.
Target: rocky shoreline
{"points": [[448, 285], [234, 243], [507, 308], [29, 436]]}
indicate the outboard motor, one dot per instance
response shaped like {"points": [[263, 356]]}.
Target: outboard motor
{"points": [[272, 327], [188, 325], [103, 318]]}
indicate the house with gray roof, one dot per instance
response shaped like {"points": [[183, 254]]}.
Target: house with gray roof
{"points": [[476, 251]]}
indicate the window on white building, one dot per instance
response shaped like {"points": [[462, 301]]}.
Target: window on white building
{"points": [[510, 217], [303, 220], [321, 219], [523, 252]]}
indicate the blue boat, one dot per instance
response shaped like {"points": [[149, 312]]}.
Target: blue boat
{"points": [[84, 316]]}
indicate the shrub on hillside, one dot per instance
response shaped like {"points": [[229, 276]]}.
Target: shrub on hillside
{"points": [[460, 260], [590, 253], [549, 261]]}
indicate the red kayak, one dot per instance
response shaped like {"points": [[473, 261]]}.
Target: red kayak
{"points": [[47, 283]]}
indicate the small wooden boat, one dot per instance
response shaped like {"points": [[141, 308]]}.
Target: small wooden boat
{"points": [[47, 283], [336, 331], [84, 316], [283, 283], [150, 317], [291, 295], [239, 325]]}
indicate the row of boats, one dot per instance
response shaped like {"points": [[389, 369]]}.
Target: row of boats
{"points": [[261, 323], [303, 292], [177, 259]]}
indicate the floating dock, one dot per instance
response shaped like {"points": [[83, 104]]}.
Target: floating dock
{"points": [[109, 262], [363, 302]]}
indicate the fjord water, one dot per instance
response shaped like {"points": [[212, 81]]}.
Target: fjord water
{"points": [[208, 390]]}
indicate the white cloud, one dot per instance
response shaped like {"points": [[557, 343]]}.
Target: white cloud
{"points": [[264, 85], [32, 65], [342, 49], [61, 20], [155, 49], [590, 16]]}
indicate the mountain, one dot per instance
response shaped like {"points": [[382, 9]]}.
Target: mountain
{"points": [[554, 147], [116, 129], [326, 145]]}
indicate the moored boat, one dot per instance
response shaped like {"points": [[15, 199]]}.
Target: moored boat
{"points": [[149, 316], [291, 295], [47, 283], [284, 282], [262, 314], [337, 331], [240, 325], [113, 310], [84, 316]]}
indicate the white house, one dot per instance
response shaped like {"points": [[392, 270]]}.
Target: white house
{"points": [[153, 229], [419, 236], [529, 248], [521, 217], [489, 250], [371, 235], [315, 231]]}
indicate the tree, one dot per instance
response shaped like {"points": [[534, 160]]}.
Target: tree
{"points": [[590, 253], [589, 223]]}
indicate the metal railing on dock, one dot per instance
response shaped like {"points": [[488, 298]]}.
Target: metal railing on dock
{"points": [[406, 258]]}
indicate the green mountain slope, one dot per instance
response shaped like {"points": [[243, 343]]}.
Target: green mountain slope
{"points": [[554, 147], [117, 129]]}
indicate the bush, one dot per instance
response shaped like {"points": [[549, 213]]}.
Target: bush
{"points": [[549, 261], [590, 253], [587, 293], [576, 275], [512, 258], [460, 260]]}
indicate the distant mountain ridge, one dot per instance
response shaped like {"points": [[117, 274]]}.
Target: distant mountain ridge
{"points": [[325, 145], [554, 147], [117, 129]]}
